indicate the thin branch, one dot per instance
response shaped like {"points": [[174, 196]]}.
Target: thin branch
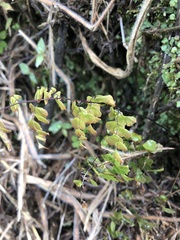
{"points": [[118, 72], [77, 17], [163, 30]]}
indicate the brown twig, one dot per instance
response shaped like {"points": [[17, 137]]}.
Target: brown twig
{"points": [[77, 17], [118, 72]]}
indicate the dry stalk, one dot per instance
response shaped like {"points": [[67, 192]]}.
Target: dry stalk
{"points": [[94, 204], [118, 72], [97, 220], [21, 185], [77, 17]]}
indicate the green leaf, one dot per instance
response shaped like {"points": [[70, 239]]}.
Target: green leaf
{"points": [[121, 146], [112, 226], [14, 101], [24, 68], [150, 146], [80, 134], [3, 128], [113, 139], [126, 120], [40, 113], [75, 109], [6, 6], [5, 139], [39, 60], [136, 137], [78, 183], [55, 127], [33, 78], [126, 178], [93, 182], [122, 132], [34, 125], [178, 104], [57, 96], [38, 110], [108, 176], [166, 76], [108, 99], [121, 169], [39, 93], [91, 130], [3, 46], [168, 210], [141, 177], [3, 35], [112, 126], [64, 132], [42, 133], [78, 123], [117, 157], [47, 95], [88, 118], [66, 125], [60, 104], [53, 90], [75, 141], [42, 119], [8, 23], [41, 138], [41, 46], [94, 109]]}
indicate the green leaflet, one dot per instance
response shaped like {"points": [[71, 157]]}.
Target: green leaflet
{"points": [[5, 139], [88, 118], [40, 134], [121, 146], [94, 109], [57, 97], [80, 134], [150, 146], [78, 183], [39, 93], [61, 105], [75, 109], [113, 139], [39, 113], [34, 125], [14, 101], [108, 99], [91, 130], [126, 120], [122, 132], [117, 157], [3, 128], [78, 123]]}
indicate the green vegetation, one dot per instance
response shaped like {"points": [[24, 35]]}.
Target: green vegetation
{"points": [[99, 155]]}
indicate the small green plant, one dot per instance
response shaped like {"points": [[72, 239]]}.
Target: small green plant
{"points": [[3, 34], [75, 141], [170, 72], [3, 44], [56, 126], [41, 48], [27, 71], [161, 201], [118, 139], [116, 220]]}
